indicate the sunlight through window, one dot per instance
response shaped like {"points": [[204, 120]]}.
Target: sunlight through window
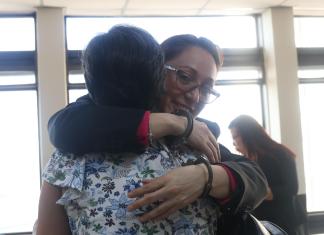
{"points": [[224, 30]]}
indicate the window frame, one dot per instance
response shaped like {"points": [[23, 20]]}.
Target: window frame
{"points": [[15, 63], [312, 58], [237, 58]]}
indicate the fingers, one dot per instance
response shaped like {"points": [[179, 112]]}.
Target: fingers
{"points": [[202, 139], [164, 209], [172, 191], [213, 150], [167, 213], [147, 199], [218, 153], [174, 206], [209, 153], [148, 193], [148, 187]]}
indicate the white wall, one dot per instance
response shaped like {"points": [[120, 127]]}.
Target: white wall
{"points": [[51, 74], [281, 67]]}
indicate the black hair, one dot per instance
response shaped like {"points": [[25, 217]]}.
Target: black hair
{"points": [[122, 67], [175, 45]]}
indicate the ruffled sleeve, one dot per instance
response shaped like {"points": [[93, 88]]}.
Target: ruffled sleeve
{"points": [[65, 171]]}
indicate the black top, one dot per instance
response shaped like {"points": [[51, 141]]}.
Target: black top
{"points": [[280, 170], [83, 127]]}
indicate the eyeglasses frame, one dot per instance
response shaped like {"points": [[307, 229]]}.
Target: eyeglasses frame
{"points": [[212, 91]]}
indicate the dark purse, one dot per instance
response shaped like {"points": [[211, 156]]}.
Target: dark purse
{"points": [[266, 227], [247, 224]]}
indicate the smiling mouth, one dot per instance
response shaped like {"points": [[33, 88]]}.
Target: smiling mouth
{"points": [[178, 106]]}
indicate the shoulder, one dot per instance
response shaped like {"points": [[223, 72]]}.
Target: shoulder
{"points": [[65, 170], [85, 99]]}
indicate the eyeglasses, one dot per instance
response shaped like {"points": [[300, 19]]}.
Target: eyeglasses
{"points": [[187, 83]]}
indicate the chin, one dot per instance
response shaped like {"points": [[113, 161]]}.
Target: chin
{"points": [[168, 109], [171, 108]]}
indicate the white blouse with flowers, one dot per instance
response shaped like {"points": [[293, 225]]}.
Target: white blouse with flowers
{"points": [[95, 188]]}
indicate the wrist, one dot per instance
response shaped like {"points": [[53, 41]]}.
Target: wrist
{"points": [[221, 184], [209, 176], [166, 124], [183, 137], [179, 125], [204, 172]]}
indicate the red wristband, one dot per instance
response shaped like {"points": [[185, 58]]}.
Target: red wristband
{"points": [[143, 130], [232, 182]]}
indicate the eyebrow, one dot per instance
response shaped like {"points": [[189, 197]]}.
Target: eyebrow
{"points": [[209, 80]]}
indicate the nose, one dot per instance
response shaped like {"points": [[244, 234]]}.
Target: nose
{"points": [[193, 95]]}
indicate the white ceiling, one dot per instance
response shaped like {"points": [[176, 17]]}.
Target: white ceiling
{"points": [[163, 7]]}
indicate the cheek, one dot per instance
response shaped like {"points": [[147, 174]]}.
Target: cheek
{"points": [[239, 144], [199, 107], [170, 85], [171, 92], [164, 104]]}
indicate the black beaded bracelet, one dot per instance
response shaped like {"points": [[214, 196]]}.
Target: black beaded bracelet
{"points": [[180, 139], [208, 185]]}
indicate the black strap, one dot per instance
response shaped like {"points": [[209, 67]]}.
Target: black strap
{"points": [[209, 184], [181, 139]]}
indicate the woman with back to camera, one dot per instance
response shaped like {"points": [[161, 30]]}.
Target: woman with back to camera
{"points": [[278, 164], [201, 77]]}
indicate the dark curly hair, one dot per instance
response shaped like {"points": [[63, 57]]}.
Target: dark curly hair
{"points": [[175, 45], [123, 67]]}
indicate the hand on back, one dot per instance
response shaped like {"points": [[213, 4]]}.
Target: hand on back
{"points": [[203, 140]]}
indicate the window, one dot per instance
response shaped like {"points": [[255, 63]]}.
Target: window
{"points": [[305, 30], [74, 94], [13, 29], [312, 117], [225, 34], [240, 94], [241, 76], [310, 43], [19, 152]]}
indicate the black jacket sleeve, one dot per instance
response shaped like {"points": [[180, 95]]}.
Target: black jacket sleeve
{"points": [[251, 181], [83, 127], [212, 126]]}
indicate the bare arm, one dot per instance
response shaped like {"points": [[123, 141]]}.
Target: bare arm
{"points": [[201, 138], [177, 189], [52, 218], [183, 185]]}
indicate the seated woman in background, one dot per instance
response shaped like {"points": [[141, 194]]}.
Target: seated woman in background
{"points": [[278, 164]]}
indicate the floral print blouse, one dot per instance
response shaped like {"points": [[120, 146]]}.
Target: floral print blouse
{"points": [[95, 188]]}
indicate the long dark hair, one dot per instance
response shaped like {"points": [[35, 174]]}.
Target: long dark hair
{"points": [[255, 139]]}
